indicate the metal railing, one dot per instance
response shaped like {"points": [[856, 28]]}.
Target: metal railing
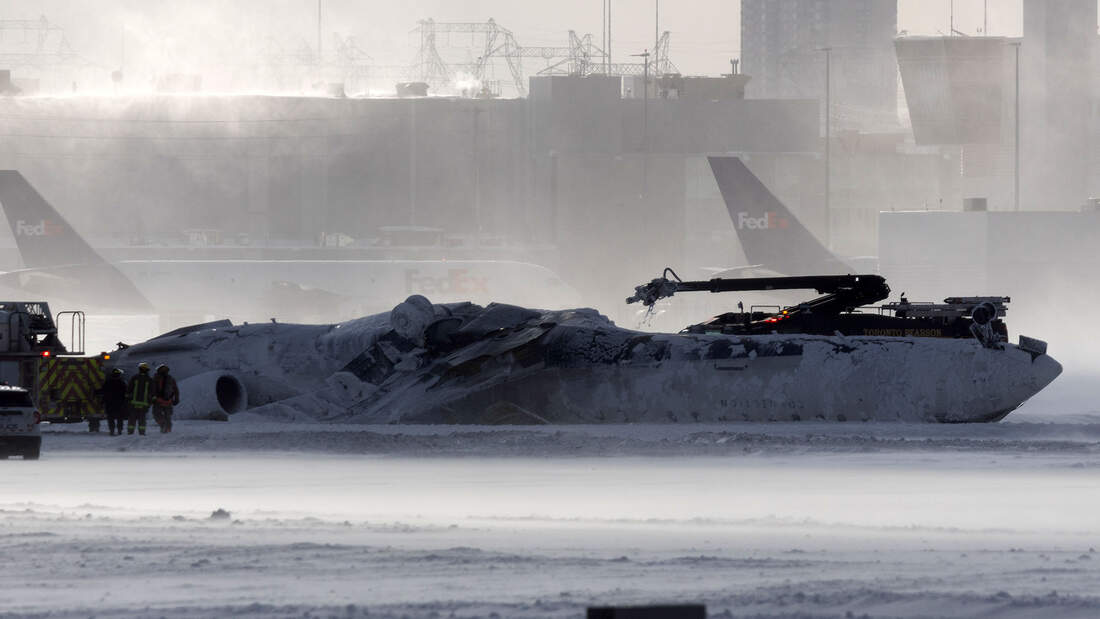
{"points": [[76, 331], [17, 332]]}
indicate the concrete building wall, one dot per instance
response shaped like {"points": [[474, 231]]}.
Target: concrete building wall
{"points": [[781, 43], [956, 87], [874, 176], [274, 168], [566, 167], [615, 175], [1057, 77]]}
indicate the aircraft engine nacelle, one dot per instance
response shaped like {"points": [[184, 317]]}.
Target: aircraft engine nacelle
{"points": [[211, 395]]}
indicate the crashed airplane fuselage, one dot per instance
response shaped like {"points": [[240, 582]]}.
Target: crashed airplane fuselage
{"points": [[462, 363]]}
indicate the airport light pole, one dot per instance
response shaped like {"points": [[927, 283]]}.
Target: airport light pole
{"points": [[1016, 141], [609, 23], [656, 35], [645, 121], [412, 162], [828, 131], [477, 176]]}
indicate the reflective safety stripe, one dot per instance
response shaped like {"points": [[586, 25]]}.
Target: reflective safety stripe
{"points": [[142, 400], [68, 387]]}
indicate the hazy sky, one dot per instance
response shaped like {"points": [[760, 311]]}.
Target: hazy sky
{"points": [[706, 33]]}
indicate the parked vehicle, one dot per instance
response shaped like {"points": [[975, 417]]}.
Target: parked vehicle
{"points": [[19, 431]]}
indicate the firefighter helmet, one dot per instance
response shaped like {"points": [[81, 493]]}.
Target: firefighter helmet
{"points": [[162, 369], [143, 367], [116, 372]]}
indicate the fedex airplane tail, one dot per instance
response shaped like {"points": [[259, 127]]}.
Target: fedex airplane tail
{"points": [[43, 236], [54, 252], [770, 234]]}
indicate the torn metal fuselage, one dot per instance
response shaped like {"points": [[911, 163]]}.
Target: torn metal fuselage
{"points": [[467, 364], [578, 367]]}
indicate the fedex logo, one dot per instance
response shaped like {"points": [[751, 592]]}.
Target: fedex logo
{"points": [[769, 221], [44, 227], [457, 281]]}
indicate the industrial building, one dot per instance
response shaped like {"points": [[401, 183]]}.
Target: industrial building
{"points": [[1057, 108], [590, 167], [573, 175], [970, 97], [783, 48], [960, 95]]}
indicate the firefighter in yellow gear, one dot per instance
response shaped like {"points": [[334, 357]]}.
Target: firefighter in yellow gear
{"points": [[140, 394]]}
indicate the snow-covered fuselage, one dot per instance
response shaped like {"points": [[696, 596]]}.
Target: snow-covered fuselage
{"points": [[462, 363]]}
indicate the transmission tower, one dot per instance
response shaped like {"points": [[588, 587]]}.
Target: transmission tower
{"points": [[37, 51], [583, 57], [354, 64], [576, 59], [661, 64], [34, 43], [489, 41], [429, 65], [286, 67]]}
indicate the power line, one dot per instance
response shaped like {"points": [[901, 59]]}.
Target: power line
{"points": [[182, 121], [181, 137]]}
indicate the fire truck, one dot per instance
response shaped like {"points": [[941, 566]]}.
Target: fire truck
{"points": [[61, 379]]}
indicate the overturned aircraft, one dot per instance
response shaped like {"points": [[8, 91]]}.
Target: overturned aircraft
{"points": [[461, 363]]}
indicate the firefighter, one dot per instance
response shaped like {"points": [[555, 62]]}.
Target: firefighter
{"points": [[113, 393], [140, 393], [165, 395]]}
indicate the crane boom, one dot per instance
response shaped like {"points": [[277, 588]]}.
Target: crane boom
{"points": [[841, 292]]}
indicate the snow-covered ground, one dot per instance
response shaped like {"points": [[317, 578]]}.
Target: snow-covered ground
{"points": [[783, 520]]}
